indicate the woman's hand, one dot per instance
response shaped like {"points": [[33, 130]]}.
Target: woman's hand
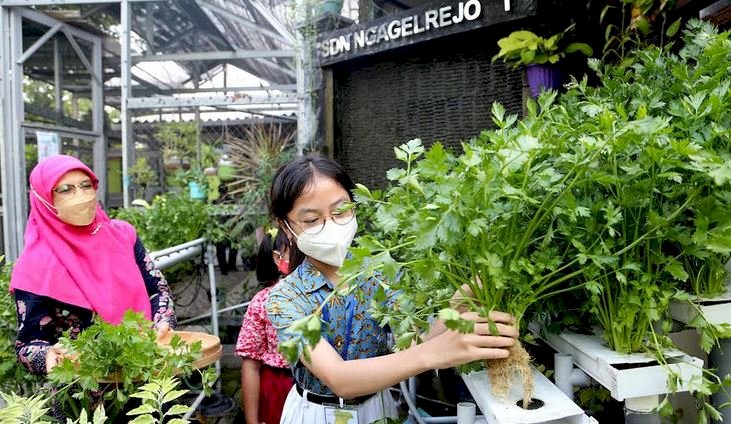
{"points": [[54, 356], [162, 329], [452, 348]]}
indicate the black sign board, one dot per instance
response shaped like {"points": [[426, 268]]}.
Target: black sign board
{"points": [[417, 25]]}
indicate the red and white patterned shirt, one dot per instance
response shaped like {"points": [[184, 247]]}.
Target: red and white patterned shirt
{"points": [[257, 337]]}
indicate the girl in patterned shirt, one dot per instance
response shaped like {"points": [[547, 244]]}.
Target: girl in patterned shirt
{"points": [[345, 376], [265, 375]]}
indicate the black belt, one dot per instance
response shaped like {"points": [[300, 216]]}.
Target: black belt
{"points": [[322, 399]]}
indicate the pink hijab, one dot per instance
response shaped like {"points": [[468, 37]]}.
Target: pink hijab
{"points": [[93, 266]]}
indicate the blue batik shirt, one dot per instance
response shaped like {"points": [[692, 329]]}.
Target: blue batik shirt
{"points": [[301, 293]]}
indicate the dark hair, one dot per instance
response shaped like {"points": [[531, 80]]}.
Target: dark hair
{"points": [[267, 271], [294, 178]]}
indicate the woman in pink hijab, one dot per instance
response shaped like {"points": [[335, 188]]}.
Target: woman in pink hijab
{"points": [[78, 265]]}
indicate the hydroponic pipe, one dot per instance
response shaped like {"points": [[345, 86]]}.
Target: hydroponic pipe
{"points": [[410, 403], [642, 410], [567, 376], [722, 364]]}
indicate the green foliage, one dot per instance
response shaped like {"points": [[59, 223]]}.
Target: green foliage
{"points": [[99, 417], [593, 398], [42, 94], [20, 409], [665, 184], [637, 24], [180, 141], [13, 376], [173, 219], [126, 354], [526, 48], [142, 174], [155, 407], [619, 195], [491, 218], [154, 396], [255, 159]]}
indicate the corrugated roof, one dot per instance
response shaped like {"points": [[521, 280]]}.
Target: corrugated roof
{"points": [[186, 26]]}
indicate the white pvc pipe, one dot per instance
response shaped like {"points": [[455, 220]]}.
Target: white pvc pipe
{"points": [[567, 376], [466, 413], [642, 410], [642, 404], [210, 254], [194, 406], [166, 261], [208, 314], [169, 250]]}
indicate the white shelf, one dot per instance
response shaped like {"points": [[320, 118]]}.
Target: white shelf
{"points": [[626, 375], [716, 310], [557, 408]]}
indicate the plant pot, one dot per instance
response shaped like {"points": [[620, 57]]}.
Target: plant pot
{"points": [[196, 191], [174, 162], [226, 172], [543, 77], [329, 7]]}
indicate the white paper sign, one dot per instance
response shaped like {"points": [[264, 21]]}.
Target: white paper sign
{"points": [[48, 145]]}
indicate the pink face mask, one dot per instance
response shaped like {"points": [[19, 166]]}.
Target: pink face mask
{"points": [[283, 266]]}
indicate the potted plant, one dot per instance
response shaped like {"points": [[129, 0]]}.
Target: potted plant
{"points": [[178, 143], [226, 171], [329, 7], [254, 159], [194, 180], [539, 56], [116, 362], [143, 175]]}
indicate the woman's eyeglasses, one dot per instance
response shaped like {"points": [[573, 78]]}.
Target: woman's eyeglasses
{"points": [[70, 189]]}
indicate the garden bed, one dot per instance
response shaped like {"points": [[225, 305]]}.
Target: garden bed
{"points": [[625, 375], [715, 310]]}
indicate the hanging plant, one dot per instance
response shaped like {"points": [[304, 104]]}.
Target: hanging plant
{"points": [[539, 56]]}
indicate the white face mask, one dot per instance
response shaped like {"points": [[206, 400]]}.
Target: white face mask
{"points": [[330, 245]]}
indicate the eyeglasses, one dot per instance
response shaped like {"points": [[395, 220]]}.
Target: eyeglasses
{"points": [[342, 216], [70, 189]]}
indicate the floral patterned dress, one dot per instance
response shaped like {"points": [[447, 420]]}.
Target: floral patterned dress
{"points": [[257, 338], [43, 320]]}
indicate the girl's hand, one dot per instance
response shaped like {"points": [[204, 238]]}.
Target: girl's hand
{"points": [[459, 298], [452, 348]]}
